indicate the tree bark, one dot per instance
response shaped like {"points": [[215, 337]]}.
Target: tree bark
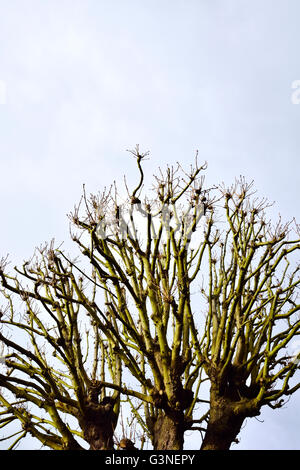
{"points": [[228, 410], [99, 435], [223, 427], [98, 425], [168, 432]]}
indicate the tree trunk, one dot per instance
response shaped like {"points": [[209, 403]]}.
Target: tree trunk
{"points": [[168, 432], [228, 410], [223, 427], [99, 435], [225, 420], [98, 427]]}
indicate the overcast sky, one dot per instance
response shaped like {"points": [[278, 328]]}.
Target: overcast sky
{"points": [[82, 81]]}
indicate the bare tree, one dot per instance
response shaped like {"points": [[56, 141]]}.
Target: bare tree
{"points": [[54, 375], [191, 288]]}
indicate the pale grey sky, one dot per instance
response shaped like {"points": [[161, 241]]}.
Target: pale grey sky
{"points": [[86, 80]]}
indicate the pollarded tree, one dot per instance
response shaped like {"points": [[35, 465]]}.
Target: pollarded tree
{"points": [[252, 317], [250, 300], [53, 360], [147, 259]]}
